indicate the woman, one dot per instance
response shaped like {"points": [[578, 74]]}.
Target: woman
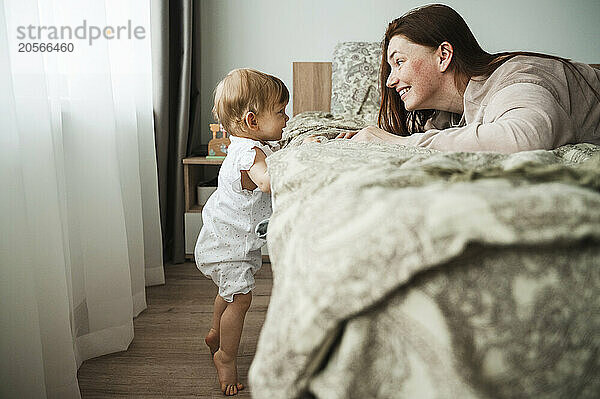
{"points": [[443, 91]]}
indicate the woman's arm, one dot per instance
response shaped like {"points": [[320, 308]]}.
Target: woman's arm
{"points": [[520, 117], [373, 134], [258, 172]]}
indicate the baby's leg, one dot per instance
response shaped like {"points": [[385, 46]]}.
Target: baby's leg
{"points": [[232, 322], [212, 338]]}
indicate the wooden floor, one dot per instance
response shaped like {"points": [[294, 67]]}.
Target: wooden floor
{"points": [[168, 357]]}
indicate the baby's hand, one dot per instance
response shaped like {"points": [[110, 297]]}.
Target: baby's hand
{"points": [[312, 139]]}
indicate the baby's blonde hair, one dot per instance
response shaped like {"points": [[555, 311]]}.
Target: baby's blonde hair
{"points": [[246, 90]]}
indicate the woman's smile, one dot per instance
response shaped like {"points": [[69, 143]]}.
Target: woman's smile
{"points": [[403, 91]]}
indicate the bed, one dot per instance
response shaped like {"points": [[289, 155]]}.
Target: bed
{"points": [[409, 273]]}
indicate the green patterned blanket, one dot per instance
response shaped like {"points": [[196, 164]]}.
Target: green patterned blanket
{"points": [[404, 272]]}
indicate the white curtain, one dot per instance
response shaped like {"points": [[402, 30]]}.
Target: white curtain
{"points": [[79, 218]]}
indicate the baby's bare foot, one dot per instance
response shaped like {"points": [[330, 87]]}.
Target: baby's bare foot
{"points": [[212, 340], [227, 371]]}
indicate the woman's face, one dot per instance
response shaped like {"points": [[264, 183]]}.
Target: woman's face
{"points": [[415, 74]]}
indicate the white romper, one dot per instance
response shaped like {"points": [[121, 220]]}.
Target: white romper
{"points": [[227, 249]]}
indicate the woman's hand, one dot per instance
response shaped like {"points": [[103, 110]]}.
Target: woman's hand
{"points": [[372, 134], [312, 139], [347, 135]]}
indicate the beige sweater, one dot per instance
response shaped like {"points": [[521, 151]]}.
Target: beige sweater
{"points": [[528, 103]]}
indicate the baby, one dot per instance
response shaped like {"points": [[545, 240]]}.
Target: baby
{"points": [[251, 107]]}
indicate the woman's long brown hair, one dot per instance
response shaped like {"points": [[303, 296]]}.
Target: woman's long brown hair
{"points": [[431, 26]]}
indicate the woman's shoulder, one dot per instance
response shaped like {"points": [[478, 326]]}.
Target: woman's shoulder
{"points": [[546, 72], [529, 69], [559, 77]]}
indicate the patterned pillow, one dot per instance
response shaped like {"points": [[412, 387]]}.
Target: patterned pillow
{"points": [[355, 78]]}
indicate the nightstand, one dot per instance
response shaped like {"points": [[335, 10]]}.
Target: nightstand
{"points": [[194, 172]]}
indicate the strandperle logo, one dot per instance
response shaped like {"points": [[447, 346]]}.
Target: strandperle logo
{"points": [[82, 32]]}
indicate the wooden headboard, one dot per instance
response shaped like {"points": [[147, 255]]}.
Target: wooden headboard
{"points": [[312, 86]]}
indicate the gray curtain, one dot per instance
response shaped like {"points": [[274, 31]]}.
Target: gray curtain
{"points": [[173, 43]]}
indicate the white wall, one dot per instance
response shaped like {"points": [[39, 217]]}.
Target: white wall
{"points": [[269, 35]]}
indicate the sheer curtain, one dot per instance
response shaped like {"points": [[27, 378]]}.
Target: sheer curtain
{"points": [[79, 216]]}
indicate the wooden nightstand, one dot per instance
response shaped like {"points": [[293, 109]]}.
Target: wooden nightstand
{"points": [[195, 170], [193, 173]]}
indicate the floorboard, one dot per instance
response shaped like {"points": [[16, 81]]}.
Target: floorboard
{"points": [[168, 358]]}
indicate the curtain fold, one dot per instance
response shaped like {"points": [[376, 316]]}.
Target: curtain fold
{"points": [[172, 61], [79, 216]]}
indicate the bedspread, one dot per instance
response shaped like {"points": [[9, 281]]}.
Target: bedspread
{"points": [[406, 272]]}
